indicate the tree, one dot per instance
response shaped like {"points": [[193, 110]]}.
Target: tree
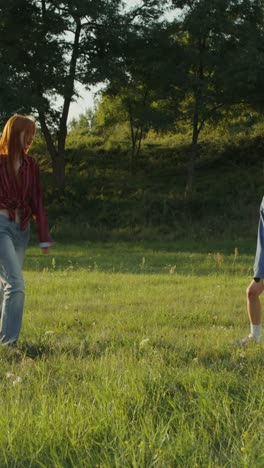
{"points": [[244, 76], [142, 79], [50, 45], [14, 92], [210, 33]]}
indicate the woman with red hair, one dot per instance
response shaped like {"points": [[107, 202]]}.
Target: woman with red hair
{"points": [[20, 198]]}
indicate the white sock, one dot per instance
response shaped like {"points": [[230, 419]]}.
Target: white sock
{"points": [[255, 330]]}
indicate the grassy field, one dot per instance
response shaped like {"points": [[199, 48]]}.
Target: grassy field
{"points": [[128, 359]]}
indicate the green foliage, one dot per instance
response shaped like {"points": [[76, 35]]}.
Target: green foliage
{"points": [[243, 77], [102, 201], [48, 46], [138, 87], [110, 114], [160, 74]]}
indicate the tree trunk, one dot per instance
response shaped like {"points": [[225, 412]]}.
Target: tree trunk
{"points": [[136, 140], [57, 154], [58, 163], [58, 166], [136, 135], [132, 162], [135, 148], [139, 140], [196, 125]]}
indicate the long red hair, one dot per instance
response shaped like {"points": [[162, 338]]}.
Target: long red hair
{"points": [[10, 141]]}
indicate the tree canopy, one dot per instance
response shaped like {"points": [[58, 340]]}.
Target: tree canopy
{"points": [[191, 66]]}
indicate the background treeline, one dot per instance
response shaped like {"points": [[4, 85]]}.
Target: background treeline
{"points": [[173, 145]]}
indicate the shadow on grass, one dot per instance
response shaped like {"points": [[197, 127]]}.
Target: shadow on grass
{"points": [[36, 350]]}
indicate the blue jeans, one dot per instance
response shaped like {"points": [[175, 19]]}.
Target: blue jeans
{"points": [[13, 244]]}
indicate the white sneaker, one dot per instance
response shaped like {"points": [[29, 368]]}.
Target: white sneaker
{"points": [[250, 339]]}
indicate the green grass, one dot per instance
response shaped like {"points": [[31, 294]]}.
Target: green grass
{"points": [[128, 359]]}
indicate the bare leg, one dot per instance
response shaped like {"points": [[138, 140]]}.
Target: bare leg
{"points": [[253, 303]]}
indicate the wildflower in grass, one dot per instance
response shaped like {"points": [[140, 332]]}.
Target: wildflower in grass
{"points": [[15, 379], [9, 375]]}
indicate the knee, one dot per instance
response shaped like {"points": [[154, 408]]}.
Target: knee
{"points": [[252, 293], [15, 285]]}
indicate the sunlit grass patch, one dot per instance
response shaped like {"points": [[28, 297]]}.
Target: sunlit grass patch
{"points": [[131, 363]]}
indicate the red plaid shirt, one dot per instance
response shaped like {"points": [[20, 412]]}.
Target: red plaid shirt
{"points": [[26, 195]]}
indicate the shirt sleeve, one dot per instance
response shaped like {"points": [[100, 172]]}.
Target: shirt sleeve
{"points": [[38, 210]]}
